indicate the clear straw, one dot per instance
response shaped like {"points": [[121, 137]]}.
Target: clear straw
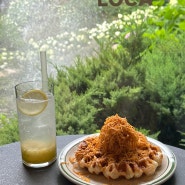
{"points": [[44, 71]]}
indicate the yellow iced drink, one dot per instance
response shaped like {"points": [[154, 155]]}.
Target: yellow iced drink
{"points": [[36, 152], [37, 128]]}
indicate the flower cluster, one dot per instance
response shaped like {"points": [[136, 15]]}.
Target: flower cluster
{"points": [[122, 25]]}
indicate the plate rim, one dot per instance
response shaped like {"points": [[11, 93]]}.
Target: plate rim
{"points": [[78, 181]]}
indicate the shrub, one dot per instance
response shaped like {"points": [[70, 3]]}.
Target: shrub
{"points": [[163, 80], [92, 90], [8, 129], [138, 72]]}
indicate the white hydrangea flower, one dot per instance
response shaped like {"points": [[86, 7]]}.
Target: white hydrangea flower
{"points": [[117, 33], [101, 35], [120, 16]]}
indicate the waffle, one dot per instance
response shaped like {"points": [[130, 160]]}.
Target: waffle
{"points": [[118, 151]]}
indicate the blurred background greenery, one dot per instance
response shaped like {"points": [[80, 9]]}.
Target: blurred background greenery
{"points": [[128, 60]]}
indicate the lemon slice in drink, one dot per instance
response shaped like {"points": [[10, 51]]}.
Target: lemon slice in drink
{"points": [[33, 102]]}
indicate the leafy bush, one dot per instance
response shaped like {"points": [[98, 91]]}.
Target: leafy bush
{"points": [[163, 80], [166, 21], [93, 89], [8, 129], [139, 78], [138, 72], [105, 84], [148, 133]]}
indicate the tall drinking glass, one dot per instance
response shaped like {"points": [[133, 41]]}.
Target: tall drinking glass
{"points": [[37, 127]]}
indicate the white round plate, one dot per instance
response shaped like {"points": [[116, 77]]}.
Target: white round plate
{"points": [[83, 177]]}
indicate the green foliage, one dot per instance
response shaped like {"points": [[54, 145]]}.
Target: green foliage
{"points": [[8, 129], [167, 21], [138, 72], [132, 79], [139, 78], [164, 77], [92, 90], [147, 133]]}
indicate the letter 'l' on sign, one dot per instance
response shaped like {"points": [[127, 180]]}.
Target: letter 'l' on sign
{"points": [[102, 4]]}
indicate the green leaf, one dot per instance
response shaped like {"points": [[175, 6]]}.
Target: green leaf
{"points": [[182, 25], [158, 2], [181, 2]]}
